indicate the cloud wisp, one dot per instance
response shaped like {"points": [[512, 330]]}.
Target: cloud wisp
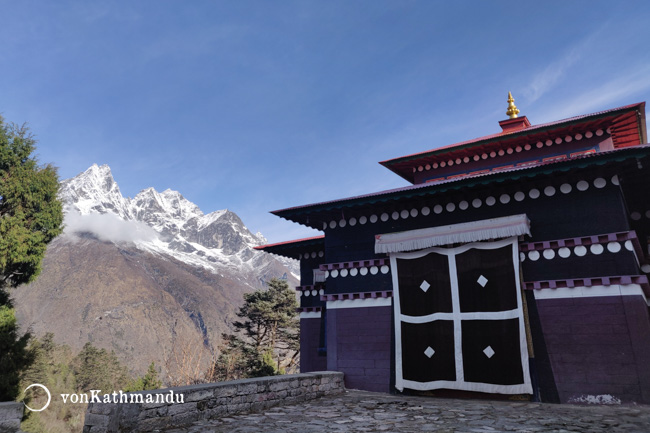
{"points": [[107, 227]]}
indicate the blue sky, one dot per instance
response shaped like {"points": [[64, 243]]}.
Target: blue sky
{"points": [[258, 105]]}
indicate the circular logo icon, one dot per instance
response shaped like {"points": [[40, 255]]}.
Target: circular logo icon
{"points": [[47, 391]]}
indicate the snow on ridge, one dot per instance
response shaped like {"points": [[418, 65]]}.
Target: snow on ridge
{"points": [[164, 223]]}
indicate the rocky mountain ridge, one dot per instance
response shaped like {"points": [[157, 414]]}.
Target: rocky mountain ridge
{"points": [[151, 277]]}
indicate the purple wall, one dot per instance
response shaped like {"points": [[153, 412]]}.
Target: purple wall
{"points": [[598, 346], [309, 338], [359, 345]]}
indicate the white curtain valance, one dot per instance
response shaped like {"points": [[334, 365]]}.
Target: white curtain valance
{"points": [[473, 231]]}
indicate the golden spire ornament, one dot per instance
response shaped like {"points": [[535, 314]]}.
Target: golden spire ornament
{"points": [[512, 108]]}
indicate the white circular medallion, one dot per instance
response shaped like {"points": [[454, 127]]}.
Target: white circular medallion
{"points": [[533, 255], [564, 252], [334, 273], [549, 254], [404, 214], [363, 271], [596, 249], [414, 213], [395, 215], [437, 209], [477, 203], [332, 224], [374, 270], [613, 247], [384, 217], [313, 255], [565, 188], [426, 211], [505, 198], [522, 257], [533, 193], [600, 182], [520, 196], [344, 273], [549, 191], [629, 246], [363, 220], [645, 269], [582, 185], [353, 222], [635, 216], [580, 250], [450, 207], [615, 180], [342, 223], [490, 201], [384, 269], [463, 205], [354, 272], [314, 292]]}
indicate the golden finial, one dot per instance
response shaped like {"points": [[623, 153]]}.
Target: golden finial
{"points": [[512, 108]]}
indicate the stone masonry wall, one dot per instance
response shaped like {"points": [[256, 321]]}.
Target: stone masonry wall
{"points": [[211, 400], [599, 347], [10, 415], [359, 345], [310, 360]]}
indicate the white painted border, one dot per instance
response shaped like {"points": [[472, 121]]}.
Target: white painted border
{"points": [[359, 303], [310, 315], [457, 316], [592, 292]]}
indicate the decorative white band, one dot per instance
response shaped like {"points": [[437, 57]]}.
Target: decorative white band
{"points": [[593, 291], [359, 303], [310, 315]]}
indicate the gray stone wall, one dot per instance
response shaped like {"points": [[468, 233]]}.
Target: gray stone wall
{"points": [[211, 400], [11, 413]]}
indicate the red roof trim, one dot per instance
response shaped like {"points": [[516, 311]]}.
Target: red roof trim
{"points": [[402, 165], [501, 134]]}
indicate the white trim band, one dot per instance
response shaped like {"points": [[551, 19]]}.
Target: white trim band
{"points": [[310, 315], [591, 292], [359, 303]]}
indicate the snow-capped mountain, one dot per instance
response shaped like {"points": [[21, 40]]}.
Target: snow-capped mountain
{"points": [[151, 277], [181, 229]]}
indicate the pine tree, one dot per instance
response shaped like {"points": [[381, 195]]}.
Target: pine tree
{"points": [[99, 369], [30, 217], [149, 381], [267, 338]]}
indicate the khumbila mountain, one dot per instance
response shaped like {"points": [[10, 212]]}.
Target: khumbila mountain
{"points": [[151, 277]]}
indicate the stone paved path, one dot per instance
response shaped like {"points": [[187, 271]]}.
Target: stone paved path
{"points": [[360, 411]]}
